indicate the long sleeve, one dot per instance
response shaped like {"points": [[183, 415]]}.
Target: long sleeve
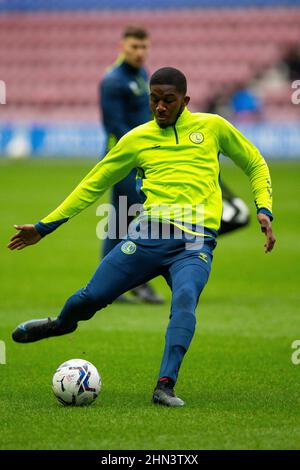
{"points": [[238, 148], [112, 103], [115, 166]]}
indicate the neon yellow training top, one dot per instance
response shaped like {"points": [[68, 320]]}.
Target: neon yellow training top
{"points": [[179, 166]]}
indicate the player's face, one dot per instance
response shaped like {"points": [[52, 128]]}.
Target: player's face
{"points": [[135, 51], [166, 104]]}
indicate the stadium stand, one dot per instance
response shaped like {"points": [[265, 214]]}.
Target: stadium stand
{"points": [[37, 5], [53, 54], [53, 61]]}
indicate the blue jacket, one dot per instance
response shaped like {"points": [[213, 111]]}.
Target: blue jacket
{"points": [[124, 100]]}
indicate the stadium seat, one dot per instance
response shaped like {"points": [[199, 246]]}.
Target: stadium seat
{"points": [[55, 60]]}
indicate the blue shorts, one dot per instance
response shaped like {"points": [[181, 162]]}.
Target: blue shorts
{"points": [[135, 261]]}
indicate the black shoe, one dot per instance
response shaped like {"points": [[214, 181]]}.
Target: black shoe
{"points": [[34, 330], [164, 394], [147, 294]]}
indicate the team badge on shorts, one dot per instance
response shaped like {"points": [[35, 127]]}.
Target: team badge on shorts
{"points": [[196, 137], [128, 248]]}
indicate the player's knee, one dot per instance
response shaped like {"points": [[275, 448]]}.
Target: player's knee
{"points": [[185, 298], [95, 299], [182, 322]]}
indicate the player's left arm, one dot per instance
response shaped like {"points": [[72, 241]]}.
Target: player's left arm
{"points": [[237, 147]]}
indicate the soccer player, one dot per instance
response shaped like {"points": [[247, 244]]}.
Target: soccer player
{"points": [[177, 154], [124, 104]]}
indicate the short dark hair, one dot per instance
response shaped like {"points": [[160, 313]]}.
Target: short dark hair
{"points": [[170, 76], [135, 32]]}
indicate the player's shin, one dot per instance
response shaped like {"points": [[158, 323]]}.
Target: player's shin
{"points": [[178, 338]]}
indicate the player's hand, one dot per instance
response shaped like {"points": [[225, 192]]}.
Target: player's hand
{"points": [[27, 235], [266, 228]]}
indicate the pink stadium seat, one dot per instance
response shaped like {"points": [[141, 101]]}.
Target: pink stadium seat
{"points": [[52, 62]]}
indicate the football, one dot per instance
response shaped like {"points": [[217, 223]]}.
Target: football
{"points": [[76, 382]]}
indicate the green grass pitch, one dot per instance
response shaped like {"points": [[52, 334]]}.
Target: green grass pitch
{"points": [[240, 386]]}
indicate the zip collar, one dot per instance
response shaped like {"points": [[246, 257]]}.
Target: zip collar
{"points": [[183, 117]]}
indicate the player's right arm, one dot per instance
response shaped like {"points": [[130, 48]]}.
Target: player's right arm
{"points": [[114, 167]]}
